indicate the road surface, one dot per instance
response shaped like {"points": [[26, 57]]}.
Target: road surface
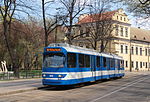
{"points": [[132, 88]]}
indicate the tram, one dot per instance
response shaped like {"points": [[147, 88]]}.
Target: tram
{"points": [[65, 64]]}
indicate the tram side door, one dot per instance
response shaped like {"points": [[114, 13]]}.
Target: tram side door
{"points": [[108, 68], [93, 68]]}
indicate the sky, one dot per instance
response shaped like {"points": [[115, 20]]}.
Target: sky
{"points": [[51, 11]]}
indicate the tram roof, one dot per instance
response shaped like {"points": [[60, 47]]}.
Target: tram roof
{"points": [[76, 49]]}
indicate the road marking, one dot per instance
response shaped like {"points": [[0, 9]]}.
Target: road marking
{"points": [[123, 87]]}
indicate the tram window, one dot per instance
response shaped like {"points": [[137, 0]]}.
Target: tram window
{"points": [[98, 61], [81, 60], [54, 60], [71, 60], [116, 63], [104, 62], [87, 61], [112, 62]]}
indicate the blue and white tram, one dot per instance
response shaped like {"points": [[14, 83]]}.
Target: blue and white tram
{"points": [[65, 64]]}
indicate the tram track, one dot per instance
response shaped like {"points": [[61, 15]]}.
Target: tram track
{"points": [[122, 87]]}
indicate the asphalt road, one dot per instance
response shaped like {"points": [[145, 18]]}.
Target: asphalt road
{"points": [[17, 86], [131, 88]]}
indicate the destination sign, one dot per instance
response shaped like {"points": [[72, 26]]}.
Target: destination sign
{"points": [[53, 49]]}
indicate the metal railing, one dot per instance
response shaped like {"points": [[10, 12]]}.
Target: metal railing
{"points": [[22, 75]]}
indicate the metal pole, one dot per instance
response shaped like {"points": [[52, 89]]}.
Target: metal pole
{"points": [[130, 57], [148, 57]]}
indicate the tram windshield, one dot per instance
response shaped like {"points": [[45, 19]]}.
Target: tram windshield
{"points": [[54, 60]]}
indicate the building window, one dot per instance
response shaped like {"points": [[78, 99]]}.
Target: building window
{"points": [[126, 63], [117, 30], [145, 51], [132, 64], [87, 31], [134, 36], [140, 64], [81, 32], [121, 63], [124, 19], [136, 64], [136, 50], [126, 30], [126, 49], [149, 52], [120, 18], [121, 31], [132, 50], [145, 64], [121, 48], [80, 44], [117, 17], [141, 51]]}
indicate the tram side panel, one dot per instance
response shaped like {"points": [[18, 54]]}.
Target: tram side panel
{"points": [[105, 68], [98, 65], [116, 68], [112, 68], [84, 64]]}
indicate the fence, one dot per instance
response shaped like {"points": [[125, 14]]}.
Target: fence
{"points": [[22, 75]]}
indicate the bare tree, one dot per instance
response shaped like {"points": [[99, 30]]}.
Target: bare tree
{"points": [[7, 12], [72, 8], [49, 24], [99, 25], [7, 9], [138, 7]]}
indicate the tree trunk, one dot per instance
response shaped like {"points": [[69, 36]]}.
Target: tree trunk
{"points": [[95, 45], [16, 70], [44, 22], [102, 46]]}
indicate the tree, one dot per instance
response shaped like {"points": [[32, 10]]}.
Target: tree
{"points": [[49, 24], [138, 7], [7, 13], [99, 25], [72, 9], [7, 9], [30, 42]]}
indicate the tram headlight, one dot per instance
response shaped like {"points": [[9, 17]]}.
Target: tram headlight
{"points": [[44, 75], [59, 76]]}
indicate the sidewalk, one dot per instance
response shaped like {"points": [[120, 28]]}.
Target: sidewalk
{"points": [[17, 86], [127, 73]]}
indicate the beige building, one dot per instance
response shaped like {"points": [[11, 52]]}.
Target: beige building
{"points": [[133, 44]]}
